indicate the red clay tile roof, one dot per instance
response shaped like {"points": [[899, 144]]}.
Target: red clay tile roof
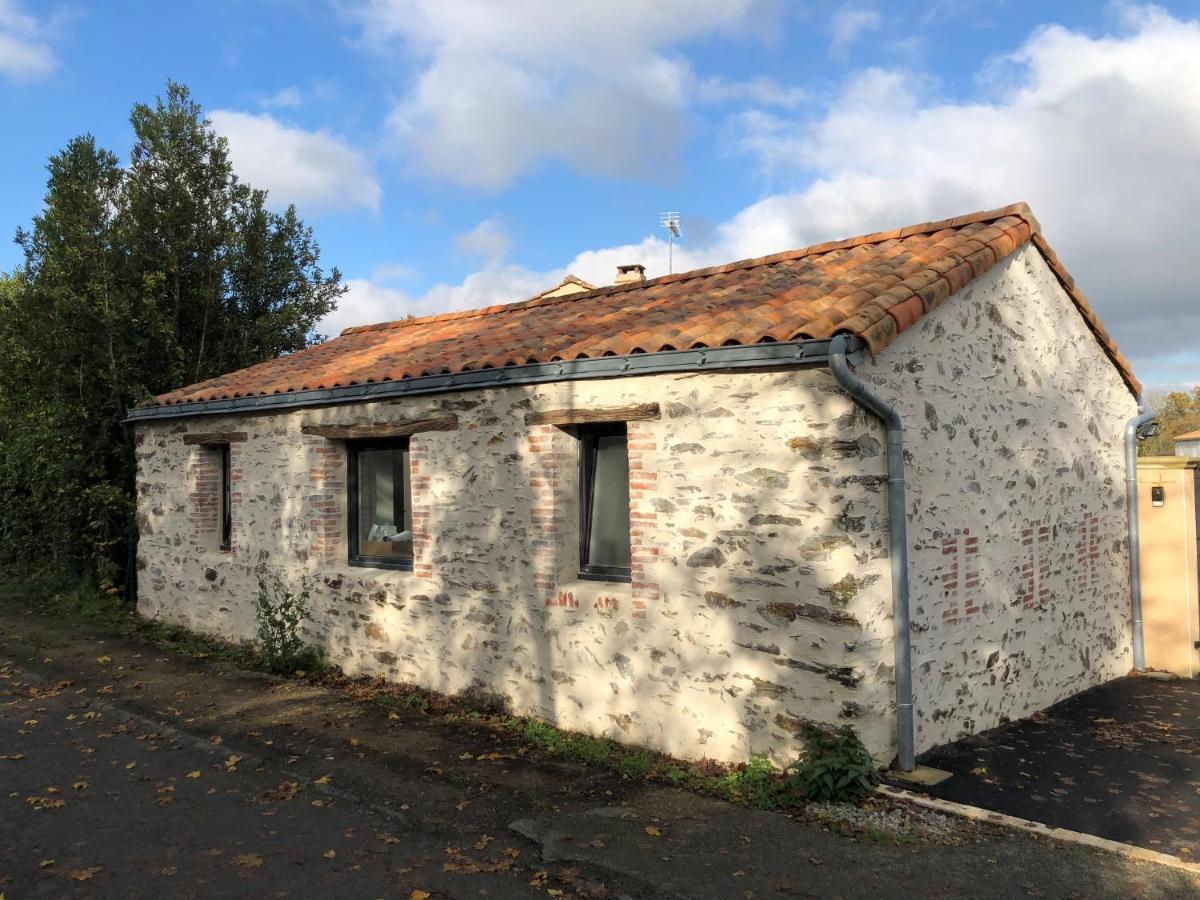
{"points": [[873, 286], [1190, 436]]}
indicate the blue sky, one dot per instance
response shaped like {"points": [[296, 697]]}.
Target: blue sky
{"points": [[453, 153]]}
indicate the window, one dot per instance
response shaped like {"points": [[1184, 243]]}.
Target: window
{"points": [[226, 504], [380, 505], [604, 503]]}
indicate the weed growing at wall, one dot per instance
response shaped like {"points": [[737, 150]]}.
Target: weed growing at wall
{"points": [[835, 767], [280, 611]]}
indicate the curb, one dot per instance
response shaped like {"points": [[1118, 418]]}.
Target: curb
{"points": [[1065, 835]]}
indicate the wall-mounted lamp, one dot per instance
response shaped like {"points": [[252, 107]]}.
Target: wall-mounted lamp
{"points": [[1158, 496], [1148, 430]]}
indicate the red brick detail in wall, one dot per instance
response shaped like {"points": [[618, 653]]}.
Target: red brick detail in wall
{"points": [[1087, 555], [553, 467], [204, 496], [643, 518], [960, 575], [1035, 570], [327, 489], [419, 468]]}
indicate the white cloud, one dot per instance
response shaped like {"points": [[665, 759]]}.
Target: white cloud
{"points": [[848, 25], [489, 240], [284, 98], [753, 91], [25, 51], [504, 86], [312, 169], [1100, 134]]}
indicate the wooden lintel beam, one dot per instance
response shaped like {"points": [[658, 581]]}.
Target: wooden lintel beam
{"points": [[381, 430], [635, 413], [214, 437]]}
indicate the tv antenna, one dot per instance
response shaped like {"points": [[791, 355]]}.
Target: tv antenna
{"points": [[670, 221]]}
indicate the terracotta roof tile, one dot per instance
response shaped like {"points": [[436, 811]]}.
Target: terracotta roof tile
{"points": [[874, 286]]}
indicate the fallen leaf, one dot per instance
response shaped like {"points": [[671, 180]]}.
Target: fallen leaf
{"points": [[248, 860], [483, 841], [232, 762], [81, 785], [653, 831], [131, 765], [85, 874], [389, 838], [330, 854], [195, 774], [45, 863], [103, 660], [324, 779], [419, 895], [738, 873]]}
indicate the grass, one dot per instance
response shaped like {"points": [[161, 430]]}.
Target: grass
{"points": [[105, 612]]}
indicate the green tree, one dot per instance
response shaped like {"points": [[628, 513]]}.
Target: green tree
{"points": [[135, 281], [1178, 412]]}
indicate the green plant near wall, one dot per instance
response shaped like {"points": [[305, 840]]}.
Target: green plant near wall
{"points": [[835, 767], [280, 612]]}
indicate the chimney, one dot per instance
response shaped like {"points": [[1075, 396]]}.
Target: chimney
{"points": [[634, 273]]}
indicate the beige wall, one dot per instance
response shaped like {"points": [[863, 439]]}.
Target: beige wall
{"points": [[761, 593], [1017, 528], [760, 584], [1170, 601]]}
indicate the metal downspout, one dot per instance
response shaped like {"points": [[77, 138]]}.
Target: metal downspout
{"points": [[1143, 416], [898, 551]]}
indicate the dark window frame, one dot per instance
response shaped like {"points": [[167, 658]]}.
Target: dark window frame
{"points": [[354, 558], [226, 534], [588, 443]]}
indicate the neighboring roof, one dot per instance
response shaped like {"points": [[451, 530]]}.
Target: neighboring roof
{"points": [[571, 284], [874, 286], [1190, 436]]}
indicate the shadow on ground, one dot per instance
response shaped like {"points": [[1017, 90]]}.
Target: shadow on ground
{"points": [[202, 780]]}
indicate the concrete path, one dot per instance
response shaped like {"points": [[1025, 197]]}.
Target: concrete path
{"points": [[127, 771]]}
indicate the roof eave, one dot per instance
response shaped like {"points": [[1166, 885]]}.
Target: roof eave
{"points": [[782, 354]]}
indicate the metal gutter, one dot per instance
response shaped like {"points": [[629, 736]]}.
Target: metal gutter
{"points": [[1132, 427], [801, 354], [898, 550]]}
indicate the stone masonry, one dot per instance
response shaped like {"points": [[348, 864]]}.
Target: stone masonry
{"points": [[760, 593]]}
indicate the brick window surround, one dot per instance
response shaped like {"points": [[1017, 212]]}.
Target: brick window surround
{"points": [[327, 509], [205, 508], [554, 515]]}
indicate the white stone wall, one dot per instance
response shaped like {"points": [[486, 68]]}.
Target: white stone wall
{"points": [[1017, 526], [760, 594]]}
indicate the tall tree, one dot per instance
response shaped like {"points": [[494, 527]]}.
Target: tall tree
{"points": [[1178, 412], [135, 281]]}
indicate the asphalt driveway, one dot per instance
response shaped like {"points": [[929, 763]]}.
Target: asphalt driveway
{"points": [[129, 770], [1121, 761]]}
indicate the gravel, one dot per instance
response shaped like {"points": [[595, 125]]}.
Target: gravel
{"points": [[900, 820]]}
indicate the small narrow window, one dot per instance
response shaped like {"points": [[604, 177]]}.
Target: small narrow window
{"points": [[604, 503], [226, 501], [380, 505]]}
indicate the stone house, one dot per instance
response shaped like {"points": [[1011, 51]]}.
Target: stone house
{"points": [[1188, 444], [661, 511]]}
